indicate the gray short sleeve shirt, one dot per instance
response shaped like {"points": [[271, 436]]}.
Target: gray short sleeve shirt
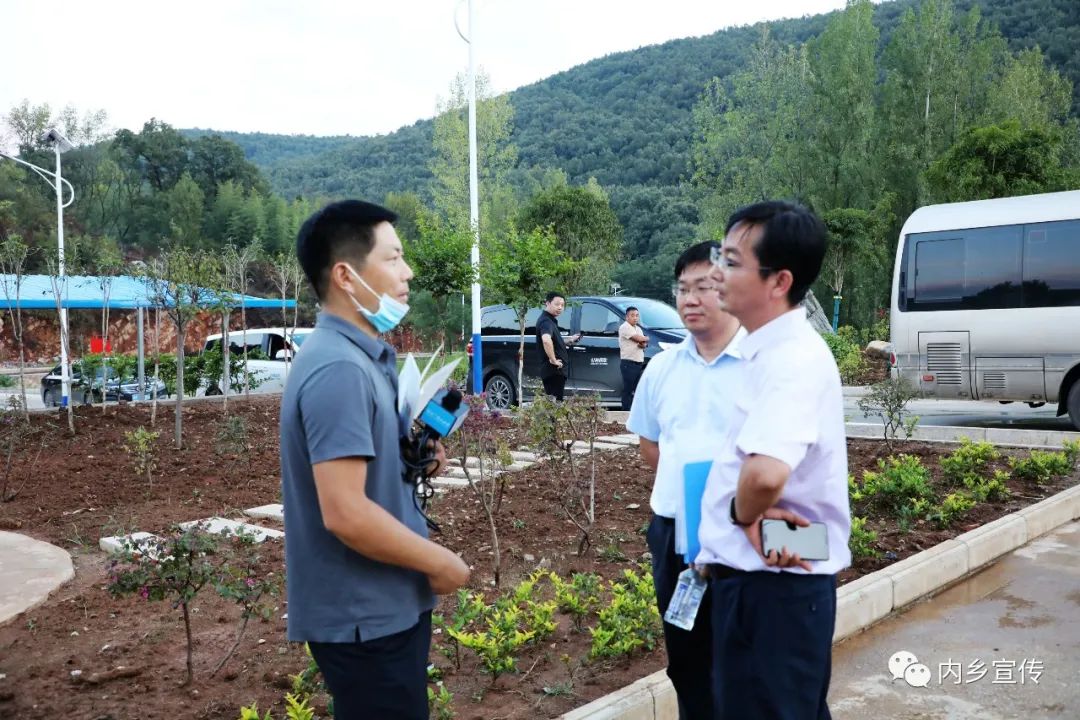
{"points": [[340, 401]]}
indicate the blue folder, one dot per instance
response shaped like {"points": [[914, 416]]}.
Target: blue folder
{"points": [[694, 476]]}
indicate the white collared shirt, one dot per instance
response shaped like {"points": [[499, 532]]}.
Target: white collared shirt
{"points": [[684, 404], [789, 407]]}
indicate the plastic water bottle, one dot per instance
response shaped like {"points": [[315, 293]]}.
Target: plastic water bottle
{"points": [[683, 608]]}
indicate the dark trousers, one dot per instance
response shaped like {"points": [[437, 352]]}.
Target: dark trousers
{"points": [[773, 645], [631, 373], [380, 679], [689, 652], [554, 385]]}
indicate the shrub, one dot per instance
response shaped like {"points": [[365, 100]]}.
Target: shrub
{"points": [[900, 482], [1072, 452], [1041, 466], [845, 350], [579, 597], [141, 445], [498, 638], [996, 488], [631, 621], [966, 465], [174, 568], [888, 400], [952, 507], [862, 539]]}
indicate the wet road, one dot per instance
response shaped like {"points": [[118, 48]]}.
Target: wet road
{"points": [[974, 413], [1010, 634]]}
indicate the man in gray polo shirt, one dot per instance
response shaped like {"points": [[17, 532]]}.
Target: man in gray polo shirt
{"points": [[361, 573]]}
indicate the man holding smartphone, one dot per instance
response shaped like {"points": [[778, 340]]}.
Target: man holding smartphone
{"points": [[554, 358], [784, 458]]}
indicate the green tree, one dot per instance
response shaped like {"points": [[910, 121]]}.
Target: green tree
{"points": [[842, 76], [586, 230], [749, 141], [441, 259], [182, 282], [184, 201], [495, 154], [1000, 161], [517, 270]]}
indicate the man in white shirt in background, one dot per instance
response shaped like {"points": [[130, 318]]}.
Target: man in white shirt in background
{"points": [[680, 411], [784, 457], [632, 344]]}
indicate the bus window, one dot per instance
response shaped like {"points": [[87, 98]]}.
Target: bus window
{"points": [[1052, 264]]}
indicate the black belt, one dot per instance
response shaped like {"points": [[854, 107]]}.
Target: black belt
{"points": [[722, 572], [636, 362]]}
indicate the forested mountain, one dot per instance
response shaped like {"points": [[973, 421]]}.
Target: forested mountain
{"points": [[624, 119]]}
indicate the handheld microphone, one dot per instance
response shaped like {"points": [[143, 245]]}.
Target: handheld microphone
{"points": [[443, 414]]}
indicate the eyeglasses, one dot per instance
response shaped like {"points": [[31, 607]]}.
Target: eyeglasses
{"points": [[700, 290], [717, 258]]}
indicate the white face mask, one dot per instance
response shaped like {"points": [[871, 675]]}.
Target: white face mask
{"points": [[389, 313]]}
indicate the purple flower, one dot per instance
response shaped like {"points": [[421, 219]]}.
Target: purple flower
{"points": [[250, 582], [144, 593]]}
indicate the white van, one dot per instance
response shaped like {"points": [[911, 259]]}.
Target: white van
{"points": [[269, 350], [986, 301]]}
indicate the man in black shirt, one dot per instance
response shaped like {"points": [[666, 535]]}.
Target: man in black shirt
{"points": [[554, 359]]}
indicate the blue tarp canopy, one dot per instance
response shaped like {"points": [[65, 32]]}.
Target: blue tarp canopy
{"points": [[85, 292]]}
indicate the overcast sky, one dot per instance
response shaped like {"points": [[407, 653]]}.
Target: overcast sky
{"points": [[319, 67]]}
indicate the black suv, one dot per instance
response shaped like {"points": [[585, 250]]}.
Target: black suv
{"points": [[594, 360]]}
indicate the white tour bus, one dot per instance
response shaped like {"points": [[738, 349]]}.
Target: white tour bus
{"points": [[986, 301]]}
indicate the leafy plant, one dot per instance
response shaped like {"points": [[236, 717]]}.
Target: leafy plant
{"points": [[1072, 452], [232, 436], [899, 482], [141, 445], [480, 434], [555, 430], [498, 638], [952, 507], [983, 489], [440, 702], [243, 583], [469, 608], [888, 400], [967, 464], [298, 708], [862, 539], [1041, 466], [631, 620], [579, 597], [251, 712], [539, 614], [849, 357], [174, 568]]}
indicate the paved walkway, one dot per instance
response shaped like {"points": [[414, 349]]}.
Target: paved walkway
{"points": [[1011, 633], [29, 571]]}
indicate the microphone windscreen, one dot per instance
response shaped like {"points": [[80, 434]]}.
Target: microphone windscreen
{"points": [[452, 399]]}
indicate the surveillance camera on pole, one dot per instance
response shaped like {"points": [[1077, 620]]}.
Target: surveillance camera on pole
{"points": [[54, 137]]}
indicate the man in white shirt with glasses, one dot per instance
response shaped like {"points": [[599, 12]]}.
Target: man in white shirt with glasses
{"points": [[784, 457], [679, 411]]}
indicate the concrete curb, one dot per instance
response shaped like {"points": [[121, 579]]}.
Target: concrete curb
{"points": [[947, 433], [871, 598]]}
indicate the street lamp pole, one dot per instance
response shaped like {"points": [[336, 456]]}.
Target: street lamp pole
{"points": [[60, 145], [474, 209], [65, 375]]}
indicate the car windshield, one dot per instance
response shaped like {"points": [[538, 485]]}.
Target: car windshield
{"points": [[654, 314], [299, 338]]}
